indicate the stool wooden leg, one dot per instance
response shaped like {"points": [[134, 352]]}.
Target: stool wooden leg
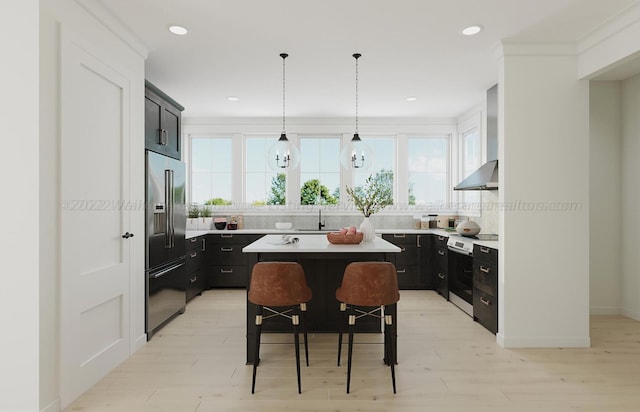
{"points": [[352, 324], [341, 321], [388, 322], [295, 320], [303, 320], [256, 356]]}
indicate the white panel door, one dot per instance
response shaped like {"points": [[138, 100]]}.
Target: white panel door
{"points": [[94, 318]]}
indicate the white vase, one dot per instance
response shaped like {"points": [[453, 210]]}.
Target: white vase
{"points": [[367, 229]]}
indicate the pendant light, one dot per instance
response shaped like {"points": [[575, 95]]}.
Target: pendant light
{"points": [[283, 154], [356, 154]]}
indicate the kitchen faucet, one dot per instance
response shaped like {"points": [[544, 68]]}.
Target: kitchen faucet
{"points": [[320, 224]]}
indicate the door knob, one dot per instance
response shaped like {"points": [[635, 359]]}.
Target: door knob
{"points": [[127, 235]]}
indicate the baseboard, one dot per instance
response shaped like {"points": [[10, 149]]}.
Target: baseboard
{"points": [[140, 342], [631, 314], [542, 342], [52, 407]]}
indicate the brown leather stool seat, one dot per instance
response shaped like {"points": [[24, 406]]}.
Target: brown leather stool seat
{"points": [[369, 284], [279, 285]]}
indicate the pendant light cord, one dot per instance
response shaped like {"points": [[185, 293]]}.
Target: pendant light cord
{"points": [[357, 56], [284, 56]]}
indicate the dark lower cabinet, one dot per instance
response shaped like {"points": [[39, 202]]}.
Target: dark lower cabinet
{"points": [[440, 265], [412, 263], [196, 281], [485, 287], [226, 265]]}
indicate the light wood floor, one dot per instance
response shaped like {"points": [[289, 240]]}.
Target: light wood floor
{"points": [[447, 362]]}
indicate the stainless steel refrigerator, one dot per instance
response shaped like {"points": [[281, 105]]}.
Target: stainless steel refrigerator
{"points": [[165, 250]]}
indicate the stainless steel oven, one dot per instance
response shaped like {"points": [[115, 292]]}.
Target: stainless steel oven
{"points": [[461, 269]]}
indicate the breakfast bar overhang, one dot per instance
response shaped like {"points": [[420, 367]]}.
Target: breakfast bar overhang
{"points": [[324, 265]]}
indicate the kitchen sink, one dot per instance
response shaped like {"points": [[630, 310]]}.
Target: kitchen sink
{"points": [[316, 230]]}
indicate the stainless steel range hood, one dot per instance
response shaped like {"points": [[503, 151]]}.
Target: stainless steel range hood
{"points": [[486, 177]]}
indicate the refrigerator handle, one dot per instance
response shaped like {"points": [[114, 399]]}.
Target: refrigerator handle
{"points": [[167, 208], [173, 212]]}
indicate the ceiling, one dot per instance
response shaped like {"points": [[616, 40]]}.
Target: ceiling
{"points": [[408, 47]]}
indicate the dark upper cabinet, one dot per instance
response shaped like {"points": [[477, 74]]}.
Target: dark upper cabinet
{"points": [[162, 122]]}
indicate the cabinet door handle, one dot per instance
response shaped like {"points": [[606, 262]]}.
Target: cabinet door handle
{"points": [[441, 252], [485, 270], [226, 270], [401, 271], [483, 300], [440, 238], [226, 249], [193, 279], [193, 239], [399, 235], [204, 245], [162, 137], [441, 276], [418, 240], [402, 249], [194, 254], [484, 249], [226, 236]]}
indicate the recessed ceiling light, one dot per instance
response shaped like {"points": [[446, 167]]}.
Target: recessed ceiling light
{"points": [[471, 30], [412, 98], [179, 30], [233, 98]]}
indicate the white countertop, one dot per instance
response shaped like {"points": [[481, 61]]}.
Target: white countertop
{"points": [[442, 232], [317, 244]]}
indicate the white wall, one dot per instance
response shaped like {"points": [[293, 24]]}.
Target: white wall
{"points": [[630, 197], [605, 129], [544, 162], [19, 300]]}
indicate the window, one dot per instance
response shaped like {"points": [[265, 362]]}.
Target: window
{"points": [[211, 165], [428, 166], [471, 159], [263, 185], [383, 164], [319, 170]]}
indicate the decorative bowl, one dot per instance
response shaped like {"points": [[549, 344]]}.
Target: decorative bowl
{"points": [[220, 225], [338, 238], [468, 228], [284, 225]]}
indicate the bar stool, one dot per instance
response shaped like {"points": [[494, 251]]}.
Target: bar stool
{"points": [[279, 285], [368, 284]]}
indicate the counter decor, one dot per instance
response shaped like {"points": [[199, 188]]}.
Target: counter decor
{"points": [[370, 198]]}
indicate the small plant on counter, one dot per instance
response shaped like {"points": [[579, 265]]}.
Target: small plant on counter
{"points": [[205, 212], [373, 196], [193, 212]]}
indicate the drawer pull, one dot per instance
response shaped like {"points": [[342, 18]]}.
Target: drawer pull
{"points": [[226, 270], [194, 254], [227, 236], [441, 238], [399, 236], [483, 300], [193, 279], [484, 249], [418, 240], [402, 249], [204, 245], [226, 249], [441, 252], [193, 239], [441, 276], [485, 270], [401, 271]]}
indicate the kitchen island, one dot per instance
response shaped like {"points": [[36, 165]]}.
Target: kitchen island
{"points": [[324, 265]]}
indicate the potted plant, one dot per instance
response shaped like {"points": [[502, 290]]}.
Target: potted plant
{"points": [[193, 212], [373, 196], [206, 221]]}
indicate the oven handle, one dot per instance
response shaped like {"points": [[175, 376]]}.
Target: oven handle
{"points": [[459, 251]]}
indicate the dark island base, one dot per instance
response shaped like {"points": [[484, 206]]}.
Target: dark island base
{"points": [[324, 275]]}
